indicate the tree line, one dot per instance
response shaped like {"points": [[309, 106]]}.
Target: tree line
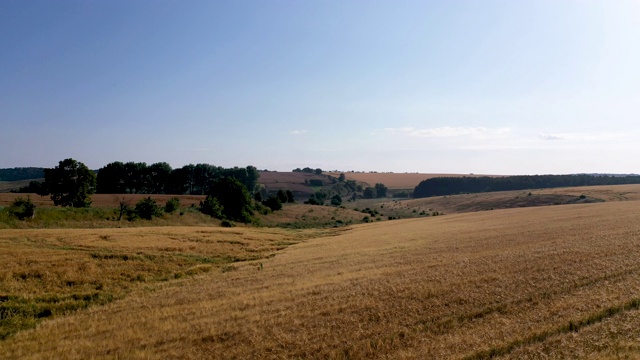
{"points": [[228, 190], [159, 178], [441, 186], [21, 173]]}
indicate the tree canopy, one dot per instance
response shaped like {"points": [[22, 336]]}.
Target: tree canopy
{"points": [[70, 183], [234, 198], [159, 178]]}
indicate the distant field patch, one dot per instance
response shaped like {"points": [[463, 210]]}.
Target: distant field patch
{"points": [[396, 180]]}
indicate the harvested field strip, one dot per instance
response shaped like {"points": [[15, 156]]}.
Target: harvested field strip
{"points": [[572, 326], [535, 303], [441, 326], [502, 308]]}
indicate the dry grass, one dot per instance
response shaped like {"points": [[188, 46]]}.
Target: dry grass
{"points": [[606, 193], [454, 204], [396, 180], [54, 272], [301, 216], [557, 282], [6, 186], [463, 203], [91, 218]]}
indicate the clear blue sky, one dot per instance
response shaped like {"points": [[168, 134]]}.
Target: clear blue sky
{"points": [[494, 87]]}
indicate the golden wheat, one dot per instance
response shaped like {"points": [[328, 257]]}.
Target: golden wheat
{"points": [[533, 282]]}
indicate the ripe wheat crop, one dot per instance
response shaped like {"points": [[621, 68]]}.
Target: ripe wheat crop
{"points": [[552, 282]]}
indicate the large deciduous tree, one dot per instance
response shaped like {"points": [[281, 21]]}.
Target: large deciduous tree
{"points": [[70, 183], [381, 190], [369, 193], [234, 198]]}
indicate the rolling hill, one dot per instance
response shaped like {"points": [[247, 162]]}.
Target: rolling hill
{"points": [[552, 282]]}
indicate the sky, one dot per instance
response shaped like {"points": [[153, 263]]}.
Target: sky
{"points": [[486, 87]]}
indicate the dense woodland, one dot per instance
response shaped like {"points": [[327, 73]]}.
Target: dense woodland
{"points": [[21, 173], [461, 185], [159, 178], [139, 178]]}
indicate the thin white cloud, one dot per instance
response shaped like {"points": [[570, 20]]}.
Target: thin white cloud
{"points": [[580, 137], [501, 138], [550, 137], [298, 132], [449, 132]]}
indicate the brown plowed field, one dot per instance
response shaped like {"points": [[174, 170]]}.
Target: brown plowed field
{"points": [[294, 181], [397, 180]]}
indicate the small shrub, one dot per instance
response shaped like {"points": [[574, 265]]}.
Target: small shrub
{"points": [[172, 205], [227, 223], [273, 202], [313, 201], [211, 206], [290, 197], [262, 209], [282, 196], [148, 208], [23, 208]]}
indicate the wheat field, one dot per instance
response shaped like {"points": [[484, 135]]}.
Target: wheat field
{"points": [[547, 282]]}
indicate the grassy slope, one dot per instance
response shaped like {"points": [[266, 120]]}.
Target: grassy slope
{"points": [[464, 203], [302, 216], [507, 281], [6, 186], [306, 216], [57, 271], [105, 200]]}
